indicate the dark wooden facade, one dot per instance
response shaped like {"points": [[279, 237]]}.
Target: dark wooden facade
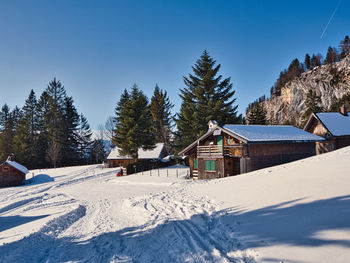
{"points": [[10, 176], [232, 156], [315, 126]]}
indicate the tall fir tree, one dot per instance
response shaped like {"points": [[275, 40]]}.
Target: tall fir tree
{"points": [[257, 115], [332, 56], [312, 104], [307, 61], [25, 141], [345, 47], [7, 127], [69, 140], [84, 139], [207, 96], [161, 116], [134, 123], [56, 94]]}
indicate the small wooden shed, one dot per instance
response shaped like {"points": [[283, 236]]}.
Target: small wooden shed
{"points": [[333, 126], [115, 159], [12, 174], [236, 149]]}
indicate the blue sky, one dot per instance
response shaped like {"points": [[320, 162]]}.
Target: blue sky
{"points": [[98, 48]]}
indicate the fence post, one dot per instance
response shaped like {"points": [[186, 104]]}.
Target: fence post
{"points": [[158, 171], [150, 172], [177, 173], [167, 173]]}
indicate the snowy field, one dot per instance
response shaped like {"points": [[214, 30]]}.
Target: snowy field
{"points": [[298, 212]]}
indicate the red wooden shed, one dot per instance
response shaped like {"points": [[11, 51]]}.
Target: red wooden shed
{"points": [[12, 174]]}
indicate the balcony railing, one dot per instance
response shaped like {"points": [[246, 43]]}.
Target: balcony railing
{"points": [[219, 150]]}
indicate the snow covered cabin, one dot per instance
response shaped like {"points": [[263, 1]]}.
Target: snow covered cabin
{"points": [[12, 173], [114, 159], [235, 149], [333, 126]]}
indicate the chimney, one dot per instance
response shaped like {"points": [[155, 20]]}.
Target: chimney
{"points": [[343, 110], [212, 124]]}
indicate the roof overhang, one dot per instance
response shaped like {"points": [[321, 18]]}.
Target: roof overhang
{"points": [[314, 116]]}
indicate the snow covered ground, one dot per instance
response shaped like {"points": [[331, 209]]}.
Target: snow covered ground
{"points": [[298, 212]]}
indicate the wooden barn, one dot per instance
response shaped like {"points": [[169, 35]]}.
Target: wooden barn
{"points": [[114, 159], [333, 126], [235, 149], [12, 173]]}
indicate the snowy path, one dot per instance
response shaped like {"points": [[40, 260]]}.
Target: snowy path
{"points": [[88, 215]]}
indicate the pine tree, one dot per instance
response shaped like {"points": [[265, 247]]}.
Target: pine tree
{"points": [[312, 103], [345, 47], [84, 139], [98, 152], [307, 62], [257, 115], [26, 134], [6, 132], [332, 56], [316, 60], [205, 97], [161, 117], [56, 97], [134, 120], [69, 138]]}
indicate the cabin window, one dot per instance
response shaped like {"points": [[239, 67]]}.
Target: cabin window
{"points": [[210, 165], [195, 165], [5, 168]]}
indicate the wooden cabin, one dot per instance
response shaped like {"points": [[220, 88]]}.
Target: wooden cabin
{"points": [[12, 174], [236, 149], [115, 159], [333, 126]]}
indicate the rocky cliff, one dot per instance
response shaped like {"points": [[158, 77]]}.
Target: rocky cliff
{"points": [[331, 83]]}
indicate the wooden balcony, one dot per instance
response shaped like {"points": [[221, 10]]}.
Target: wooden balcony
{"points": [[220, 150]]}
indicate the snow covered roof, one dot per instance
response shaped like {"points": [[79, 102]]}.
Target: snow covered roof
{"points": [[142, 154], [335, 122], [18, 166], [262, 133]]}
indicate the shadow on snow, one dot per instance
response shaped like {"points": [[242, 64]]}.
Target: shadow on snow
{"points": [[201, 238]]}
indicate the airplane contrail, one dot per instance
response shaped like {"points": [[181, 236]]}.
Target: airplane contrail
{"points": [[330, 19]]}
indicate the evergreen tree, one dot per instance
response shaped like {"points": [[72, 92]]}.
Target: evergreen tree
{"points": [[307, 62], [134, 120], [345, 47], [160, 109], [98, 152], [257, 115], [43, 108], [26, 134], [205, 97], [84, 138], [6, 132], [316, 60], [69, 140], [312, 103], [56, 94], [332, 56]]}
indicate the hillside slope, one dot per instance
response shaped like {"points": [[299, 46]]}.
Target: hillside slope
{"points": [[297, 212], [329, 81]]}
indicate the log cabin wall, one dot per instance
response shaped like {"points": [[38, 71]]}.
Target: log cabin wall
{"points": [[120, 162], [266, 155], [342, 141], [204, 173], [10, 176]]}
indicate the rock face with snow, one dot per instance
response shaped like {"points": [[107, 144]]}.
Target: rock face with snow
{"points": [[329, 81]]}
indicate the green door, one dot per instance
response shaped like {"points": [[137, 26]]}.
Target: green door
{"points": [[219, 140], [219, 143]]}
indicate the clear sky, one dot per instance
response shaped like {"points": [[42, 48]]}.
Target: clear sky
{"points": [[98, 48]]}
